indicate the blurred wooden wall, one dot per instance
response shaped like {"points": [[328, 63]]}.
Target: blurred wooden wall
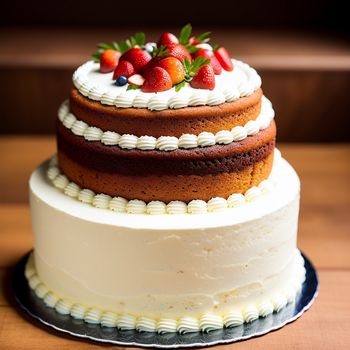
{"points": [[301, 51]]}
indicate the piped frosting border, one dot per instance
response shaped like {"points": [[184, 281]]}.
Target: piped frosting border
{"points": [[230, 86], [136, 206], [206, 323], [166, 143]]}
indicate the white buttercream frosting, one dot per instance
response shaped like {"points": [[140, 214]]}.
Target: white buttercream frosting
{"points": [[135, 206], [166, 143], [229, 86]]}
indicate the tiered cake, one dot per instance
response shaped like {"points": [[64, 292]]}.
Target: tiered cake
{"points": [[167, 207]]}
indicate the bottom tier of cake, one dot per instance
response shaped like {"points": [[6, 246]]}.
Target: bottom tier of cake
{"points": [[166, 273]]}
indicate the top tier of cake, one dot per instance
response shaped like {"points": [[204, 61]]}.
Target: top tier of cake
{"points": [[185, 141]]}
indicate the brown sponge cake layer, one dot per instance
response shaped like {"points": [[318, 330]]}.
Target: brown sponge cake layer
{"points": [[169, 122], [167, 187], [198, 161]]}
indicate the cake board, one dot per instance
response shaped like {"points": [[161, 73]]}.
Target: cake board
{"points": [[50, 318]]}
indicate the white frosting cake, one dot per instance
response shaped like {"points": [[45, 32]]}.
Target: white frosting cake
{"points": [[166, 273]]}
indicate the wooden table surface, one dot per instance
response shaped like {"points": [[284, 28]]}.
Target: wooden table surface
{"points": [[324, 235]]}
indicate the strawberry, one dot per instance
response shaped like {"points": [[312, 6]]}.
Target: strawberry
{"points": [[167, 39], [224, 58], [158, 79], [123, 68], [213, 60], [137, 57], [204, 79], [136, 79], [109, 60], [193, 41], [174, 67], [179, 51]]}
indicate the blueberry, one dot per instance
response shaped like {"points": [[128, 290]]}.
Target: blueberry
{"points": [[121, 81]]}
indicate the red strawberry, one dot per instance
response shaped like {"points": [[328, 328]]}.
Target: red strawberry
{"points": [[179, 51], [109, 60], [193, 40], [204, 79], [174, 67], [123, 68], [136, 79], [213, 60], [167, 39], [137, 57], [158, 79], [224, 58]]}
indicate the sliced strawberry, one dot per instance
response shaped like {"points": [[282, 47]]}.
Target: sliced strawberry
{"points": [[123, 68], [109, 60], [137, 57], [204, 79], [174, 67], [158, 79], [224, 58], [213, 60], [179, 51], [167, 39], [136, 79]]}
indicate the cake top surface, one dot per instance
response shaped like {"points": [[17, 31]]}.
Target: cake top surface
{"points": [[175, 72]]}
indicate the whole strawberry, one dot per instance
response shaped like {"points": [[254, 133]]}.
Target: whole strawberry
{"points": [[179, 51], [157, 79], [213, 60], [204, 79], [123, 68], [137, 57], [167, 39], [109, 60]]}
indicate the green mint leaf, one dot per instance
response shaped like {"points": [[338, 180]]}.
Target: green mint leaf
{"points": [[123, 46], [140, 38], [203, 37], [179, 86], [192, 49], [133, 87], [185, 34], [192, 68], [160, 51]]}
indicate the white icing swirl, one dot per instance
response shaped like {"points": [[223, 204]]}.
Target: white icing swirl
{"points": [[63, 306], [72, 190], [79, 127], [158, 102], [223, 137], [126, 322], [69, 120], [178, 100], [250, 313], [176, 207], [217, 204], [235, 200], [125, 100], [51, 299], [146, 324], [41, 290], [93, 316], [251, 127], [156, 208], [252, 194], [239, 133], [109, 319], [146, 143], [209, 322], [60, 181], [118, 204], [166, 325], [52, 173], [128, 141], [78, 311], [167, 143], [279, 301], [101, 201], [197, 206], [265, 308], [206, 139], [188, 141], [198, 98], [233, 318], [86, 196], [110, 138], [93, 134], [136, 206], [188, 325]]}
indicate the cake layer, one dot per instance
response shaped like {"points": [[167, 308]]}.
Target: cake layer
{"points": [[218, 269], [172, 122]]}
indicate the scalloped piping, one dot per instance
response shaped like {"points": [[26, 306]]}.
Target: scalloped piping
{"points": [[136, 206], [230, 86], [206, 323], [166, 143]]}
